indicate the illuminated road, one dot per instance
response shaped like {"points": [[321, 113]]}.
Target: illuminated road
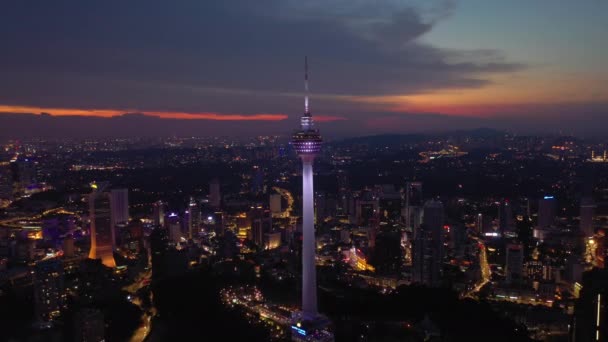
{"points": [[19, 222], [486, 272], [143, 279]]}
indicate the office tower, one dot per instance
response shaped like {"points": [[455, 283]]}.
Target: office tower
{"points": [[308, 325], [174, 228], [257, 180], [275, 203], [49, 297], [387, 257], [193, 218], [89, 326], [261, 224], [25, 172], [119, 211], [367, 207], [428, 249], [505, 217], [119, 202], [101, 227], [590, 321], [412, 211], [159, 214], [547, 210], [389, 202], [514, 267], [215, 196], [586, 213]]}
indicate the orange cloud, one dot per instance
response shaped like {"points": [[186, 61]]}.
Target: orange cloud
{"points": [[108, 113]]}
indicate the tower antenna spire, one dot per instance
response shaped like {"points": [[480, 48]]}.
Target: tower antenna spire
{"points": [[306, 109]]}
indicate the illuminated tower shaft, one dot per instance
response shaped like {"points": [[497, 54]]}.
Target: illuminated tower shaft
{"points": [[309, 274], [307, 144]]}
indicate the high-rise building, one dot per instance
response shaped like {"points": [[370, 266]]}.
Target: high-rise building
{"points": [[159, 214], [193, 218], [428, 249], [412, 210], [390, 202], [366, 208], [119, 202], [25, 171], [119, 210], [505, 217], [308, 325], [215, 196], [275, 203], [101, 227], [547, 210], [261, 224], [514, 267], [590, 321], [174, 228], [49, 297], [586, 213]]}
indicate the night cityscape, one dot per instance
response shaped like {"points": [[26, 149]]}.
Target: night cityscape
{"points": [[165, 176]]}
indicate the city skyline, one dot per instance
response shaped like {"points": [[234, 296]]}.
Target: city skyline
{"points": [[391, 67]]}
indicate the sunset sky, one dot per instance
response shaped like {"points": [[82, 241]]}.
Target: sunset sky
{"points": [[383, 66]]}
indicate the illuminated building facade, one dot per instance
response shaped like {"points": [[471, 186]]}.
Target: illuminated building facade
{"points": [[308, 325], [119, 203], [101, 227]]}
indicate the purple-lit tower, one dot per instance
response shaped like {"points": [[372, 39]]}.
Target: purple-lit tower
{"points": [[309, 325]]}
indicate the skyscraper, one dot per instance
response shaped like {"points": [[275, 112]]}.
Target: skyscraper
{"points": [[505, 217], [48, 289], [215, 196], [261, 224], [591, 312], [119, 212], [514, 268], [412, 210], [586, 214], [547, 210], [428, 246], [101, 227], [193, 218], [307, 144], [159, 214]]}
